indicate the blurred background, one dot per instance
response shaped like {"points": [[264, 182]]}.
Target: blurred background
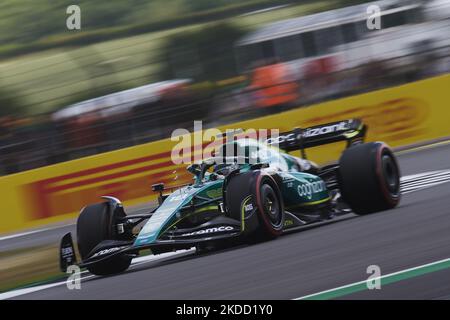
{"points": [[138, 69]]}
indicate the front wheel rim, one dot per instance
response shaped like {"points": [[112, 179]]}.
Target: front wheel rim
{"points": [[272, 208]]}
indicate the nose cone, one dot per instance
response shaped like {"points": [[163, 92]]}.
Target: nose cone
{"points": [[163, 216]]}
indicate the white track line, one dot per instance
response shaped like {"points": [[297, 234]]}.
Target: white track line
{"points": [[424, 180], [423, 185], [421, 188], [21, 292], [424, 147], [419, 175], [380, 278], [425, 175], [22, 234]]}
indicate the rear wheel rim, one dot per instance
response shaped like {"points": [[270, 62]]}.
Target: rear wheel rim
{"points": [[390, 173]]}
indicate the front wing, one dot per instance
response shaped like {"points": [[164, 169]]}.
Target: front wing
{"points": [[175, 240]]}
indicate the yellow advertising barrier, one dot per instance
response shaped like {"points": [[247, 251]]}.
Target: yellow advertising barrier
{"points": [[400, 116]]}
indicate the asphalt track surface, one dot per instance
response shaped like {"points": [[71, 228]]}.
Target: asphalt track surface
{"points": [[301, 263]]}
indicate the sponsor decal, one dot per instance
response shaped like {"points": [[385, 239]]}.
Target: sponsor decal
{"points": [[309, 132], [287, 178], [288, 222], [309, 189], [248, 207], [180, 197], [313, 132], [247, 210], [67, 251], [209, 230], [107, 251], [291, 137]]}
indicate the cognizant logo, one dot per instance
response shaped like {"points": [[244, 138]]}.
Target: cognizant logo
{"points": [[312, 132], [309, 189]]}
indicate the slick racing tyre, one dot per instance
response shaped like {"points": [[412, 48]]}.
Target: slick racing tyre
{"points": [[95, 224], [255, 199], [369, 178]]}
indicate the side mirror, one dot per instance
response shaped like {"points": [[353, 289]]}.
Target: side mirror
{"points": [[260, 165], [213, 176], [159, 187], [194, 169]]}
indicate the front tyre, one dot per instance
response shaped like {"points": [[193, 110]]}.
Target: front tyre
{"points": [[96, 224], [271, 211], [255, 199], [369, 178]]}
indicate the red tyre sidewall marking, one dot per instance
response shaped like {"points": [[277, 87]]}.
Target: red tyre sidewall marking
{"points": [[381, 179], [269, 226]]}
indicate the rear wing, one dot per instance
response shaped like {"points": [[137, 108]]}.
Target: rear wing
{"points": [[353, 131]]}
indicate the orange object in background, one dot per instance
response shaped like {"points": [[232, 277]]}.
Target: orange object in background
{"points": [[273, 86], [321, 66]]}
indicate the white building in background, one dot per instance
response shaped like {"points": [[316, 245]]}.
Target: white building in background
{"points": [[340, 39], [122, 101]]}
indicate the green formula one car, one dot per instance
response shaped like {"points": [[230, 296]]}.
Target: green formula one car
{"points": [[256, 192]]}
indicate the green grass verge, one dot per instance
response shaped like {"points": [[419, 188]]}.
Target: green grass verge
{"points": [[30, 266]]}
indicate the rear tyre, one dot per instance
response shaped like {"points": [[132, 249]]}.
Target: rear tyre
{"points": [[369, 178], [95, 224], [255, 200]]}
